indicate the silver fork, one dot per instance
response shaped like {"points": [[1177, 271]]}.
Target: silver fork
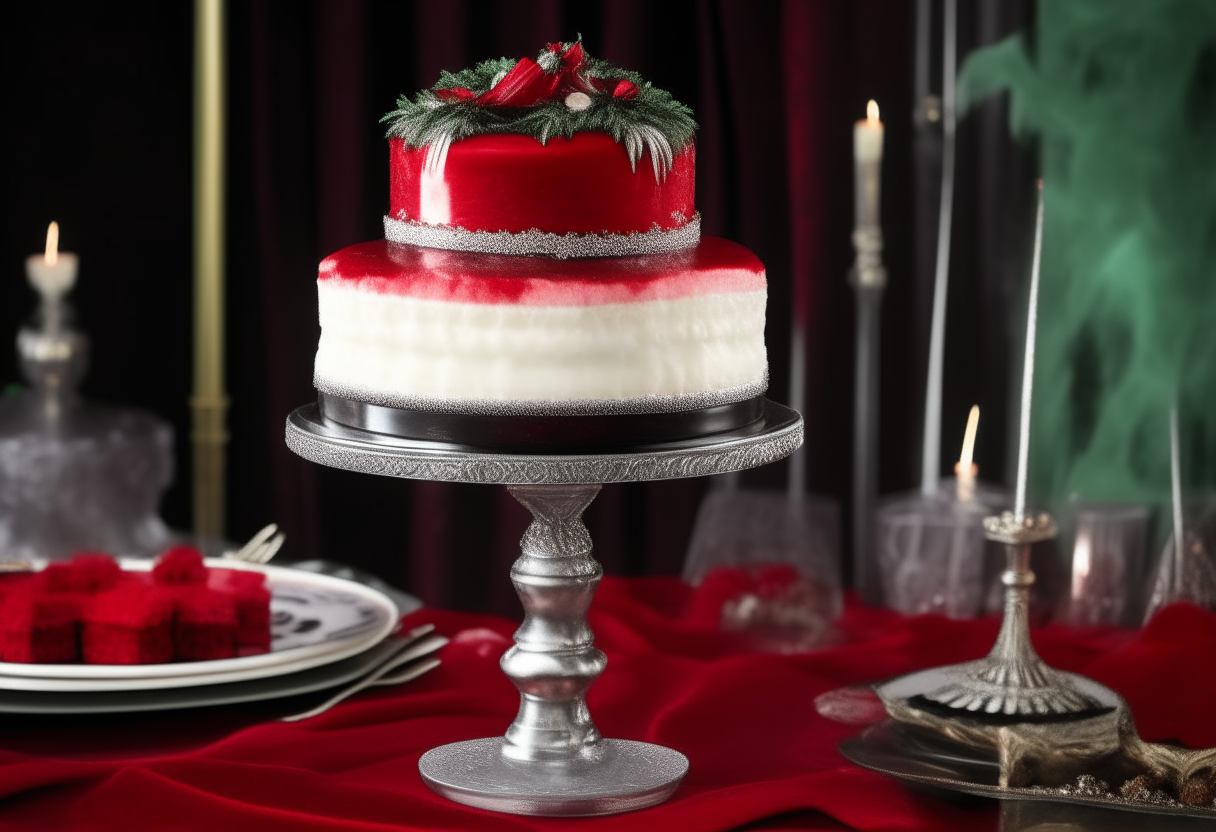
{"points": [[261, 547], [411, 650]]}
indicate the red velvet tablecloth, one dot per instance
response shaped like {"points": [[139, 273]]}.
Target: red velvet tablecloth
{"points": [[759, 752]]}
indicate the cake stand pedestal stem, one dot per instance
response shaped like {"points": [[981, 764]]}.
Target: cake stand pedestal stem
{"points": [[554, 659], [552, 760]]}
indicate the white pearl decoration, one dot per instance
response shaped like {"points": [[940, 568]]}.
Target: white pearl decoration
{"points": [[578, 101]]}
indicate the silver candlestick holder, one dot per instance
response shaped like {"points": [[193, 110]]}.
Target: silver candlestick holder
{"points": [[1040, 721], [552, 759], [1044, 725], [1012, 680], [869, 279]]}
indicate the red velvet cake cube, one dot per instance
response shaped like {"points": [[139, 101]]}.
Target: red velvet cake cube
{"points": [[40, 619], [86, 572], [11, 582], [57, 577], [39, 627], [252, 599], [74, 583], [180, 566], [204, 624], [132, 624]]}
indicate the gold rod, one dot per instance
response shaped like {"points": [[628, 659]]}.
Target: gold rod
{"points": [[209, 404]]}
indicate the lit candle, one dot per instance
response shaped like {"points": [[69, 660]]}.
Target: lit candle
{"points": [[1081, 553], [867, 157], [965, 470], [52, 273]]}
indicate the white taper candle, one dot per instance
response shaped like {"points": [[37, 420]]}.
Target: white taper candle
{"points": [[1032, 314]]}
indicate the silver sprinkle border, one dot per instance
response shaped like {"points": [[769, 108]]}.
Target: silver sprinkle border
{"points": [[535, 242]]}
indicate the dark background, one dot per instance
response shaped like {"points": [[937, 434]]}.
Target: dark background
{"points": [[98, 100]]}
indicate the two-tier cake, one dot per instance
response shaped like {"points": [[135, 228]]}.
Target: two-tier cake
{"points": [[542, 268]]}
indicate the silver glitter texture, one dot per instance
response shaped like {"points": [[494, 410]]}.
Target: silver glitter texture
{"points": [[1086, 785], [545, 243], [571, 407], [337, 447]]}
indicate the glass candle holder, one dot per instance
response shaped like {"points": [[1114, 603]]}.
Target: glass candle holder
{"points": [[1188, 574], [1109, 564], [767, 564], [932, 553]]}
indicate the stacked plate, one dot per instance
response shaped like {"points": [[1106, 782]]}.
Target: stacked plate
{"points": [[325, 631]]}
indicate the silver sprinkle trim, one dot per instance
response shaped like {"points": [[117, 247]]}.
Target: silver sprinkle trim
{"points": [[546, 243], [387, 456], [1155, 797], [574, 407]]}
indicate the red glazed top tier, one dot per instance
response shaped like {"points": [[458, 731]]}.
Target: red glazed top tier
{"points": [[511, 182]]}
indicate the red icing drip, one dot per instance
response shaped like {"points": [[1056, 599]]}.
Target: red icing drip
{"points": [[715, 266], [507, 182]]}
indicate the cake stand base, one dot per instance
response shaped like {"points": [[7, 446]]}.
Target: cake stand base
{"points": [[620, 776]]}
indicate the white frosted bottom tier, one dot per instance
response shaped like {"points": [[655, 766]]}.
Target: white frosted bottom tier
{"points": [[400, 349]]}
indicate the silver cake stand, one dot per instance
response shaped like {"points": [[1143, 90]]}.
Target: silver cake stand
{"points": [[552, 760]]}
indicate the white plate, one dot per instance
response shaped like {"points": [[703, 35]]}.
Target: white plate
{"points": [[274, 687], [315, 620]]}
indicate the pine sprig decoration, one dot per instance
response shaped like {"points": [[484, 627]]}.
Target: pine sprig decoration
{"points": [[533, 103]]}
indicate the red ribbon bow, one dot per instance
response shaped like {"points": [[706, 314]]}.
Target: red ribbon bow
{"points": [[620, 89], [527, 83]]}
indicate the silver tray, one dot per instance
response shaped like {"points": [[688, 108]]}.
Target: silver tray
{"points": [[888, 749]]}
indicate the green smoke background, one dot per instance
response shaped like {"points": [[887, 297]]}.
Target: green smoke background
{"points": [[1121, 95]]}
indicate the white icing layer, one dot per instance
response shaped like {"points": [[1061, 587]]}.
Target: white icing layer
{"points": [[402, 347]]}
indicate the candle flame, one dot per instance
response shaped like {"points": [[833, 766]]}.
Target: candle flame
{"points": [[1081, 555], [52, 244], [966, 469], [973, 424], [872, 111]]}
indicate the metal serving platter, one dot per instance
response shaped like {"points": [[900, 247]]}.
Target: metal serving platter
{"points": [[889, 749]]}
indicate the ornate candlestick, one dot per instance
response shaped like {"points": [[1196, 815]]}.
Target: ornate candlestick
{"points": [[53, 355], [868, 279], [1011, 684], [1012, 679], [1047, 728], [74, 474]]}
